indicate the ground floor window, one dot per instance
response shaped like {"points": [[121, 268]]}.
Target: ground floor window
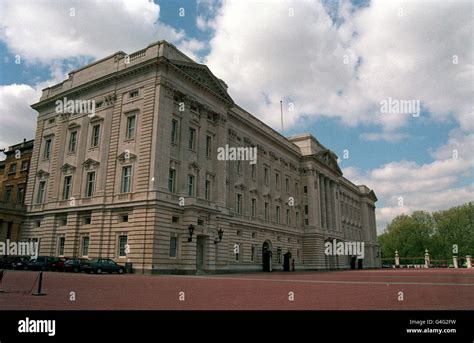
{"points": [[61, 242], [173, 246], [85, 246], [279, 255], [123, 239], [253, 256]]}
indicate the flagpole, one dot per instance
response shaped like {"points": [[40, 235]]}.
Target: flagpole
{"points": [[281, 115]]}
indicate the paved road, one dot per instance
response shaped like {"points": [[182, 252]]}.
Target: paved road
{"points": [[434, 289]]}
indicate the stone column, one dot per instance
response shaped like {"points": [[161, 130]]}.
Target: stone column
{"points": [[468, 261], [427, 259], [455, 262], [332, 193], [328, 203], [397, 259], [322, 192], [220, 179]]}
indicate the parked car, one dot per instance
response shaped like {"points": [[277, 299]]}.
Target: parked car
{"points": [[100, 265], [20, 262], [74, 264], [5, 262], [46, 263], [14, 262]]}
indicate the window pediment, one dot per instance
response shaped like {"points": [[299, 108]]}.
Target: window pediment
{"points": [[73, 125], [42, 174], [126, 156], [194, 166], [90, 164], [67, 168]]}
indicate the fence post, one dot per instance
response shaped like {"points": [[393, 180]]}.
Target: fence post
{"points": [[397, 259], [2, 274], [40, 282], [468, 260], [427, 259], [455, 262]]}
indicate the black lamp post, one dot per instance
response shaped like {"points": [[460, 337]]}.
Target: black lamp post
{"points": [[191, 230], [220, 233]]}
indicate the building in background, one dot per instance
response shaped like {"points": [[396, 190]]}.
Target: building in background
{"points": [[139, 179], [13, 181]]}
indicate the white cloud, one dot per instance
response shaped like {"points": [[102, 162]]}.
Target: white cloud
{"points": [[300, 58], [385, 136], [445, 182], [18, 119], [45, 31]]}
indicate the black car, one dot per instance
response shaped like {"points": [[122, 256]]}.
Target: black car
{"points": [[45, 263], [20, 262], [74, 264], [100, 265], [14, 262]]}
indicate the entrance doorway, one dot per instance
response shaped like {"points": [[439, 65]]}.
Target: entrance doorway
{"points": [[353, 262], [267, 256], [201, 252]]}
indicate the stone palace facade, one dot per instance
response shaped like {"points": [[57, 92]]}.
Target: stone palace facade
{"points": [[130, 180]]}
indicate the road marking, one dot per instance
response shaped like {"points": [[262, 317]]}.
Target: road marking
{"points": [[328, 281]]}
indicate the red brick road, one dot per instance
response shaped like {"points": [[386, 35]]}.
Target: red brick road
{"points": [[434, 289]]}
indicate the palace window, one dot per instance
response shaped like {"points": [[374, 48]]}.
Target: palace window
{"points": [[254, 171], [47, 148], [207, 190], [174, 131], [85, 246], [122, 245], [171, 180], [61, 242], [192, 139], [95, 136], [72, 142], [126, 184], [277, 214], [90, 184], [254, 207], [40, 195], [191, 185], [173, 246], [238, 203], [67, 187], [131, 125], [208, 146]]}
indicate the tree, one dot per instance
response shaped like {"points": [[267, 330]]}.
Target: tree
{"points": [[439, 232], [409, 234]]}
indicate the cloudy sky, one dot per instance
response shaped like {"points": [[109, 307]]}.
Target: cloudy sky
{"points": [[332, 63]]}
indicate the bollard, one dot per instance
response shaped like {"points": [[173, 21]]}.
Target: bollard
{"points": [[455, 262], [2, 274], [40, 281], [468, 261], [397, 259]]}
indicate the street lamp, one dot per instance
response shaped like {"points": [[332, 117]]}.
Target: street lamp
{"points": [[220, 233], [191, 230]]}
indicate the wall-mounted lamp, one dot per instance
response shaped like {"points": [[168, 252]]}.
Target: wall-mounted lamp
{"points": [[220, 233], [191, 230]]}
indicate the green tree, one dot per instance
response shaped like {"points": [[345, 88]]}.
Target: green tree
{"points": [[455, 229], [439, 232], [409, 234]]}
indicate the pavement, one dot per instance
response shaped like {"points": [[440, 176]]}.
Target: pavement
{"points": [[383, 289]]}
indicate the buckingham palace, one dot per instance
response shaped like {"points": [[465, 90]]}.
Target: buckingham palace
{"points": [[136, 177]]}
